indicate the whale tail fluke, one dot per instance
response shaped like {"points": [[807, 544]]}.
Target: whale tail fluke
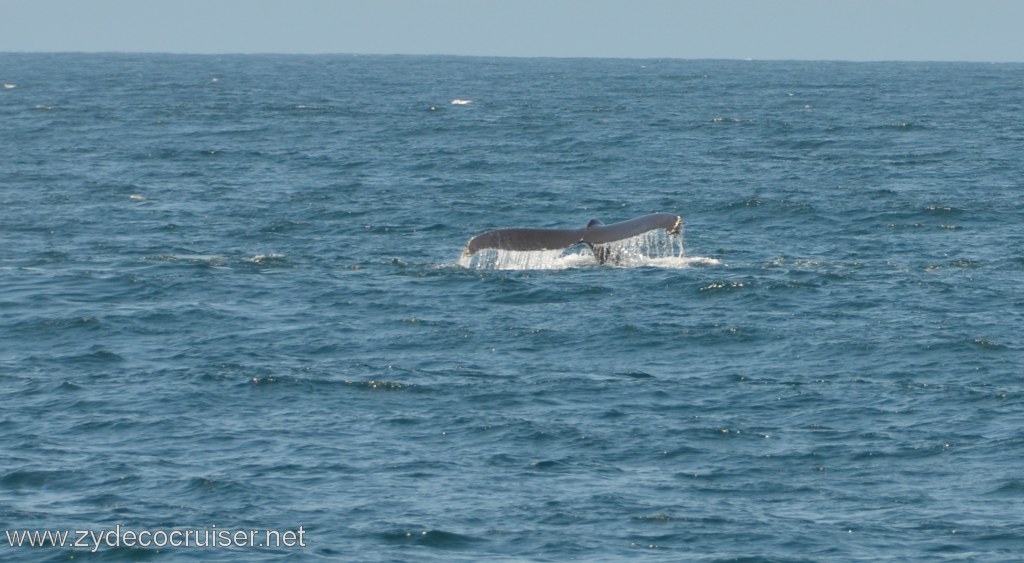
{"points": [[596, 235]]}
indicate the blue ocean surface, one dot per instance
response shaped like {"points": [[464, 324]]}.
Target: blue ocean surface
{"points": [[231, 298]]}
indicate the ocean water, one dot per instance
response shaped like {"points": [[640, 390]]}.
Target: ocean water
{"points": [[231, 298]]}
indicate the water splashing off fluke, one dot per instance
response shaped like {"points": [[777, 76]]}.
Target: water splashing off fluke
{"points": [[617, 244]]}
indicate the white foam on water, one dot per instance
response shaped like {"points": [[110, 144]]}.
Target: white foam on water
{"points": [[656, 249], [680, 262], [494, 259], [639, 250], [271, 258]]}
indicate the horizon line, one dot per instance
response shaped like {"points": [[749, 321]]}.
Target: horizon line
{"points": [[468, 56]]}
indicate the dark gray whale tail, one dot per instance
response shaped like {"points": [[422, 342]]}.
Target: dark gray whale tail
{"points": [[594, 235]]}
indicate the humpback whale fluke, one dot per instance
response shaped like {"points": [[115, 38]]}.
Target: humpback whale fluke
{"points": [[594, 235]]}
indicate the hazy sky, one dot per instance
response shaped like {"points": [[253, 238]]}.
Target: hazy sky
{"points": [[959, 30]]}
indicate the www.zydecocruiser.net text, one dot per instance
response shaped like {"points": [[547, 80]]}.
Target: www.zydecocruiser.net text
{"points": [[211, 537]]}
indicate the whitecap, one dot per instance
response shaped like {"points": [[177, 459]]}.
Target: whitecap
{"points": [[461, 102], [271, 258], [681, 262]]}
